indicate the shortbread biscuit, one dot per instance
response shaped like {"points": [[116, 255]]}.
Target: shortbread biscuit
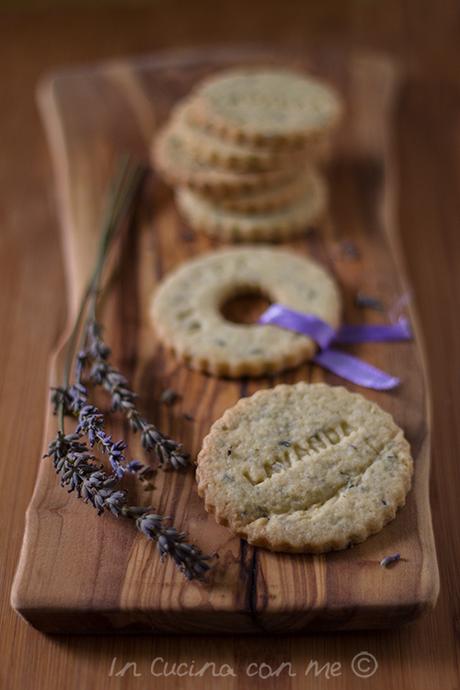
{"points": [[304, 468], [266, 199], [187, 309], [271, 107], [274, 225], [175, 163], [218, 153]]}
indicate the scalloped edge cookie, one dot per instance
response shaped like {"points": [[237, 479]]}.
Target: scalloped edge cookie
{"points": [[277, 224], [265, 199], [175, 163], [270, 471], [267, 107], [187, 305], [219, 153]]}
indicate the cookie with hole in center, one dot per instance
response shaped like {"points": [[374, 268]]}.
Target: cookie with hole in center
{"points": [[304, 468], [266, 107], [278, 224], [189, 305]]}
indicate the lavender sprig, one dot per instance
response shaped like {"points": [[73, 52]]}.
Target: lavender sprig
{"points": [[188, 558], [102, 373], [78, 470], [72, 455], [91, 423]]}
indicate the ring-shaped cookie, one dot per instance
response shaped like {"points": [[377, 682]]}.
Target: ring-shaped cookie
{"points": [[187, 309]]}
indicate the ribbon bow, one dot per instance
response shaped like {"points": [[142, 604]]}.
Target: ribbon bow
{"points": [[341, 363]]}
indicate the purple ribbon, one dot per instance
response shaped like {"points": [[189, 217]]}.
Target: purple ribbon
{"points": [[308, 324], [340, 363], [355, 370], [374, 333]]}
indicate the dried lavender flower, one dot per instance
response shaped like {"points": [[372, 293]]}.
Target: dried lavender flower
{"points": [[91, 423], [188, 558], [72, 455], [78, 470], [349, 249], [388, 560], [169, 397], [97, 354], [364, 301]]}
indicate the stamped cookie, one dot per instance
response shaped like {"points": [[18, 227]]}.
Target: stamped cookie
{"points": [[179, 167], [219, 153], [273, 225], [266, 107], [187, 309], [304, 468]]}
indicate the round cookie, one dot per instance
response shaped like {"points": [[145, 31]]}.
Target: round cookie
{"points": [[179, 167], [270, 107], [304, 468], [187, 316], [266, 199], [273, 225], [216, 152]]}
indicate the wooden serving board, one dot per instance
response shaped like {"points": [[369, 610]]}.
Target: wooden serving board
{"points": [[83, 573]]}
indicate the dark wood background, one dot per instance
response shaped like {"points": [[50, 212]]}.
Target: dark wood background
{"points": [[426, 36]]}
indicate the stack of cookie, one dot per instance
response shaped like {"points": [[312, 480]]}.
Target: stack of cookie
{"points": [[243, 151]]}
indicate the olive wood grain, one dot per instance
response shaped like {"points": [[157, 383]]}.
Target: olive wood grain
{"points": [[81, 573]]}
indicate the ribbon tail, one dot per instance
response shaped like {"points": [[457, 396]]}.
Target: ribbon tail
{"points": [[355, 370], [374, 333]]}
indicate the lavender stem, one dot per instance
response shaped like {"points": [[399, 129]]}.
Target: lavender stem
{"points": [[72, 457]]}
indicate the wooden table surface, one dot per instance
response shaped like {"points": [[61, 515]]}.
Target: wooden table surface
{"points": [[426, 35]]}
